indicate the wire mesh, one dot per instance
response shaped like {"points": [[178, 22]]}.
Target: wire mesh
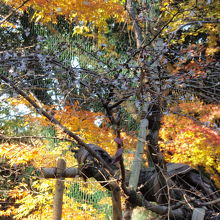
{"points": [[90, 198]]}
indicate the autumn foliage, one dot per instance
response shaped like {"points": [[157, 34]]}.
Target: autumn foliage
{"points": [[88, 14], [27, 197], [186, 69], [193, 140], [30, 196]]}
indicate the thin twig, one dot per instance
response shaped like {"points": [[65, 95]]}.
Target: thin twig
{"points": [[210, 202], [33, 137]]}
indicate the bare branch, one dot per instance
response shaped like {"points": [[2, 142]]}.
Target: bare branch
{"points": [[8, 138], [217, 21], [210, 202]]}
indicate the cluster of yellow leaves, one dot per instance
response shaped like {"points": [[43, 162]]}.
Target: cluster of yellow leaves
{"points": [[188, 11], [37, 155], [17, 153], [16, 193], [37, 202], [185, 141], [86, 13]]}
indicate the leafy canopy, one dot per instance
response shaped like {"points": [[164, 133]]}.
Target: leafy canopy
{"points": [[88, 15]]}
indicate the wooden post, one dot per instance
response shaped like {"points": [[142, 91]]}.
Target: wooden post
{"points": [[51, 172], [58, 198], [116, 203]]}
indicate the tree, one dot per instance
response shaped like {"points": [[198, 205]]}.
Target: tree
{"points": [[174, 59]]}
